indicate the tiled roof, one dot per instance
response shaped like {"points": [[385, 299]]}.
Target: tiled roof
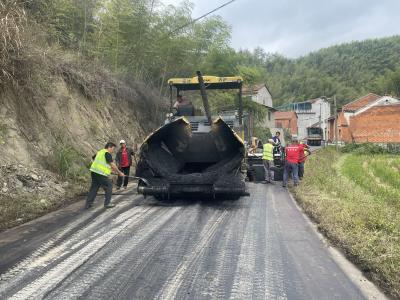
{"points": [[360, 102], [252, 88]]}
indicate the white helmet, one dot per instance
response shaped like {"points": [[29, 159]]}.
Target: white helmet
{"points": [[122, 142]]}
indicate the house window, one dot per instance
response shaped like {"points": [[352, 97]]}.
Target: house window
{"points": [[269, 116]]}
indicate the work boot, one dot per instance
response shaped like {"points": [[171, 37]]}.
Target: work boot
{"points": [[125, 187], [88, 205], [118, 188], [109, 205]]}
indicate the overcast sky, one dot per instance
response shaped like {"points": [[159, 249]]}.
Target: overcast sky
{"points": [[296, 27]]}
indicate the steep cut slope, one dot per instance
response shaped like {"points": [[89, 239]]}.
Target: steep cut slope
{"points": [[57, 113]]}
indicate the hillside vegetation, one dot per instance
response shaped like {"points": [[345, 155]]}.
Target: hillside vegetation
{"points": [[354, 198], [57, 109], [348, 70], [151, 42]]}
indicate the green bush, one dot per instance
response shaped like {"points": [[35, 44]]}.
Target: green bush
{"points": [[365, 148], [65, 158], [67, 162], [393, 148]]}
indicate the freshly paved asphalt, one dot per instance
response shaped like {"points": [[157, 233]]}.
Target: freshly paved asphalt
{"points": [[257, 247]]}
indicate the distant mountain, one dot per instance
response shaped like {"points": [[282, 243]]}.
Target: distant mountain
{"points": [[347, 70]]}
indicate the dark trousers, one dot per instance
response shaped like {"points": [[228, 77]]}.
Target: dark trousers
{"points": [[97, 182], [290, 168], [124, 170], [301, 169]]}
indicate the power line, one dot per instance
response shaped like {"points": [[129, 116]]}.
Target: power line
{"points": [[199, 18]]}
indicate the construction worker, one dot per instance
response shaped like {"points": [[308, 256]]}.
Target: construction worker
{"points": [[100, 171], [268, 158], [292, 154], [183, 106], [123, 159], [304, 151], [276, 138]]}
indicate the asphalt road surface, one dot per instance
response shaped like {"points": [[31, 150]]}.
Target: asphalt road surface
{"points": [[258, 247]]}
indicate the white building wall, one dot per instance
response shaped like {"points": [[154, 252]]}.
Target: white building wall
{"points": [[305, 120], [263, 97], [269, 119], [322, 109], [320, 112]]}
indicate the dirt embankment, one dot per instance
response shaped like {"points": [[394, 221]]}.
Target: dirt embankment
{"points": [[56, 110]]}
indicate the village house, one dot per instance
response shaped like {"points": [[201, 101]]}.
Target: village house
{"points": [[260, 94], [310, 113], [286, 120], [371, 118]]}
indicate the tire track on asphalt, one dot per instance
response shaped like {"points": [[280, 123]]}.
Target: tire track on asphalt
{"points": [[213, 277], [172, 285], [243, 284], [68, 260], [274, 267], [35, 258], [79, 283], [179, 239]]}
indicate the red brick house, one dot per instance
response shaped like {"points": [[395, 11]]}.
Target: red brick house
{"points": [[371, 118], [379, 124], [286, 120]]}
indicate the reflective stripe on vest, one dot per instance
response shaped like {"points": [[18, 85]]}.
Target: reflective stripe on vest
{"points": [[100, 165], [268, 152]]}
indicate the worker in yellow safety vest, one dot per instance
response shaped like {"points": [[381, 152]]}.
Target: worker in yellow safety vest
{"points": [[101, 169], [268, 158]]}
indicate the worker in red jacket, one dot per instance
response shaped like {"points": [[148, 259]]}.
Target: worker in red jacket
{"points": [[291, 162], [303, 153]]}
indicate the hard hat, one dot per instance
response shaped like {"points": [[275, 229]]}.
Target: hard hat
{"points": [[271, 141], [122, 142]]}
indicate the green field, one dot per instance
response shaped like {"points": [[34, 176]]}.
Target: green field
{"points": [[355, 200]]}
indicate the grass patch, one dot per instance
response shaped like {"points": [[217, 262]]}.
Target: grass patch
{"points": [[355, 198], [26, 206], [67, 162]]}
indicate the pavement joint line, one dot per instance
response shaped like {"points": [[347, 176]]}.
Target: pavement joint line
{"points": [[366, 287]]}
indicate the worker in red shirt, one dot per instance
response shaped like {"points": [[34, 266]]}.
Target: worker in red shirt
{"points": [[124, 163], [303, 153], [291, 162]]}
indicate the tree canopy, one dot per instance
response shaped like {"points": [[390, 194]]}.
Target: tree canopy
{"points": [[151, 42]]}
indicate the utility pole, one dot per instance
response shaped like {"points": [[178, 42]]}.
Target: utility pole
{"points": [[336, 123]]}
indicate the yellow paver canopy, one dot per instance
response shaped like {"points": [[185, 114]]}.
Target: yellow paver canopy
{"points": [[211, 83]]}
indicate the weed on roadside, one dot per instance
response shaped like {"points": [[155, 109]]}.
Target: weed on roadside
{"points": [[355, 199]]}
